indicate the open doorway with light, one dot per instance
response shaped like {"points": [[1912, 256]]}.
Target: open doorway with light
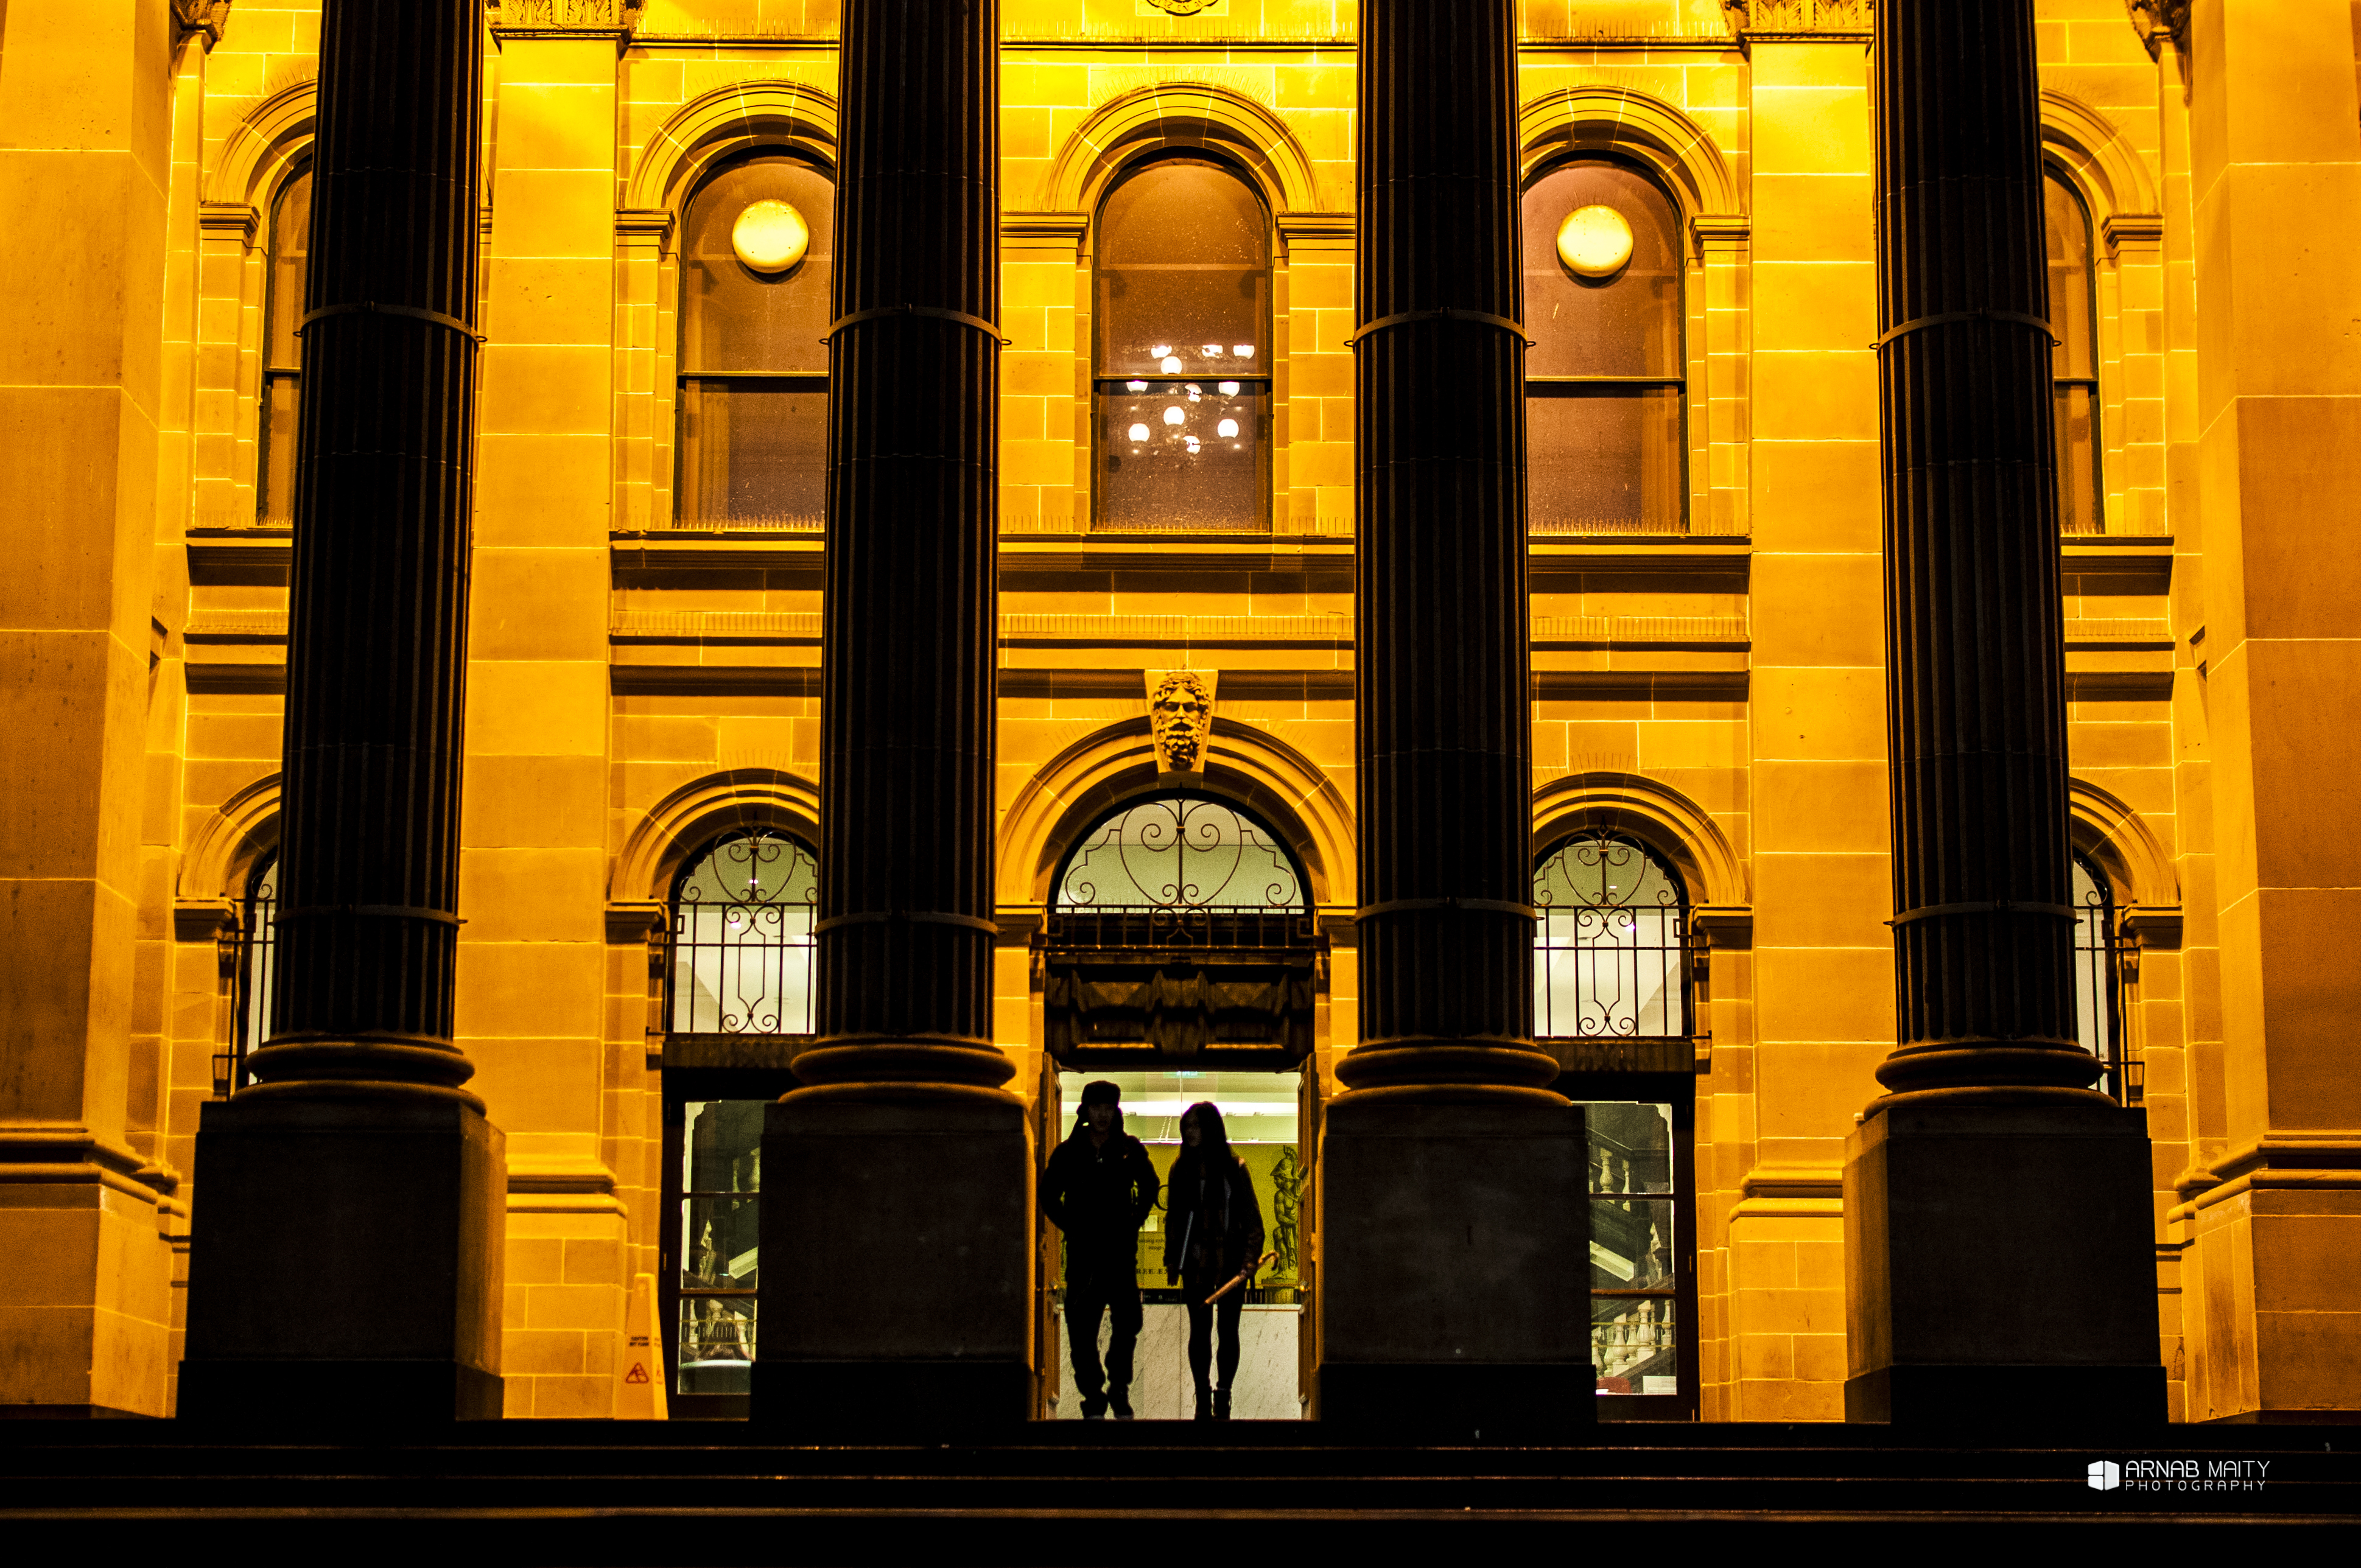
{"points": [[1263, 1111]]}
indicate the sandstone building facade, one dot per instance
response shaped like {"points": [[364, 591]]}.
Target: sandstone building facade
{"points": [[1176, 754]]}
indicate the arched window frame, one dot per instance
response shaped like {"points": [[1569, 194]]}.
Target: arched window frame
{"points": [[1687, 368], [279, 361], [789, 960], [1108, 389], [1242, 920], [2104, 954], [677, 496], [1662, 949], [2082, 486]]}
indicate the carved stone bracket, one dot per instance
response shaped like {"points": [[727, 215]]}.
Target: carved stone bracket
{"points": [[2157, 20], [204, 16]]}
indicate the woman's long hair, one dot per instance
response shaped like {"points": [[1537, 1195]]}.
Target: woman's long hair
{"points": [[1212, 1151]]}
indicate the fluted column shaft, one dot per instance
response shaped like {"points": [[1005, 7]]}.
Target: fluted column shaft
{"points": [[908, 631], [1976, 700], [1442, 706], [376, 657]]}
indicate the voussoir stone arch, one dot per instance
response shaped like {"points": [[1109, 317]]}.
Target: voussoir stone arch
{"points": [[738, 800], [1658, 815], [237, 835], [1650, 132], [716, 124], [263, 149], [2112, 834], [1118, 763], [1181, 115], [2114, 179]]}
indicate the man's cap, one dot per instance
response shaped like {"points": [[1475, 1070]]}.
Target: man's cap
{"points": [[1101, 1092]]}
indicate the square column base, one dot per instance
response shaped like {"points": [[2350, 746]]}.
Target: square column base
{"points": [[345, 1264], [897, 1288], [2000, 1269], [1454, 1269]]}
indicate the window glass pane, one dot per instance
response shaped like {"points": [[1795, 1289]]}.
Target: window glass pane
{"points": [[1181, 455], [261, 954], [716, 1344], [1611, 943], [1635, 1344], [1630, 1147], [281, 404], [291, 254], [721, 1149], [2093, 972], [752, 452], [734, 317], [1183, 274], [2069, 280], [1604, 459], [742, 939], [1628, 324], [2075, 418]]}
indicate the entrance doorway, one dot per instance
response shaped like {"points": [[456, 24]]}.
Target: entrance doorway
{"points": [[1264, 1113]]}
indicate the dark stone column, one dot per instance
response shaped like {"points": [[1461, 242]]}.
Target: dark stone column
{"points": [[347, 1249], [1997, 1221], [897, 1213], [1453, 1260]]}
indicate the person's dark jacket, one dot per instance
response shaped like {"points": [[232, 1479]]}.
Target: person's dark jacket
{"points": [[1099, 1197], [1205, 1204]]}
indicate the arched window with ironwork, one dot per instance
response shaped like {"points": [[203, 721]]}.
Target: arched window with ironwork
{"points": [[249, 954], [756, 256], [1611, 948], [1607, 379], [1180, 924], [1183, 375], [742, 944], [2098, 982]]}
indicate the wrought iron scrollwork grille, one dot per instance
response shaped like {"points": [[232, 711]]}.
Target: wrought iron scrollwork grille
{"points": [[1611, 949], [1170, 867], [742, 944], [2103, 955]]}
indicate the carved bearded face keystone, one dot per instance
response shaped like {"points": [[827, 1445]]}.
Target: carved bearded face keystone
{"points": [[1181, 716]]}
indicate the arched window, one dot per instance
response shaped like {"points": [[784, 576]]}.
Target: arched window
{"points": [[1181, 927], [742, 940], [2074, 360], [282, 349], [1611, 949], [250, 956], [1606, 381], [1183, 379], [2098, 984], [756, 254]]}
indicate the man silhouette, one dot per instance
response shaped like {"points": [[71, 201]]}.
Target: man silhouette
{"points": [[1099, 1188]]}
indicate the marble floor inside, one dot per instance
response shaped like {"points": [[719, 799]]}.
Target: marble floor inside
{"points": [[1265, 1388]]}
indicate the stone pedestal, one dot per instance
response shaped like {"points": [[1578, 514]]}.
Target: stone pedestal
{"points": [[897, 1285], [1455, 1263], [348, 1270], [1998, 1270]]}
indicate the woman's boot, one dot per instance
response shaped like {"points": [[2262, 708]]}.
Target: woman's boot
{"points": [[1221, 1405], [1205, 1411]]}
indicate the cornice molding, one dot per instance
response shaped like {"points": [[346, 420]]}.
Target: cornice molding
{"points": [[563, 18], [1802, 21]]}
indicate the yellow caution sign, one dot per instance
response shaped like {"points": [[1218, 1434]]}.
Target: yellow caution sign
{"points": [[639, 1385]]}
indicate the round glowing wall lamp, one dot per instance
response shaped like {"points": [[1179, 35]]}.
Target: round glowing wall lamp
{"points": [[1594, 242], [769, 236]]}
